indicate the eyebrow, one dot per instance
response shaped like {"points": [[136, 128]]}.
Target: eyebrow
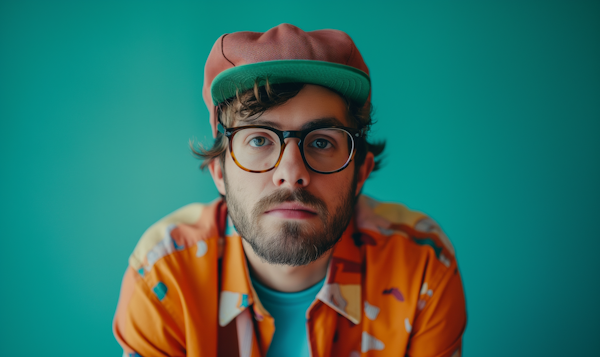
{"points": [[327, 121]]}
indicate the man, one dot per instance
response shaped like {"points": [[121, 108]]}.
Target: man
{"points": [[292, 261]]}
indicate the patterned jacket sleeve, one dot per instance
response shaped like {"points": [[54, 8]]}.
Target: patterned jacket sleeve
{"points": [[142, 325], [438, 328]]}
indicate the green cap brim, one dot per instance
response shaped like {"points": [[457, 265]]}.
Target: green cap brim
{"points": [[348, 81]]}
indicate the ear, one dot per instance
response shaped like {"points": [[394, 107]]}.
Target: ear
{"points": [[216, 171], [364, 171]]}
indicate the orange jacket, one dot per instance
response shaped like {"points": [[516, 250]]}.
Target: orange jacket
{"points": [[392, 289]]}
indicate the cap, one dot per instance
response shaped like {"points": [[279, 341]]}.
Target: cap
{"points": [[284, 54]]}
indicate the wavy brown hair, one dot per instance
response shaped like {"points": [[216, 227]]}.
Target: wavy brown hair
{"points": [[265, 96]]}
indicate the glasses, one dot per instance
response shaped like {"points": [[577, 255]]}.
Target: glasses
{"points": [[325, 150]]}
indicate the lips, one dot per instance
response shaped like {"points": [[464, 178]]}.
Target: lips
{"points": [[292, 206], [291, 210]]}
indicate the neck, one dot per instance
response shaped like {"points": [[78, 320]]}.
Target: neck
{"points": [[286, 278]]}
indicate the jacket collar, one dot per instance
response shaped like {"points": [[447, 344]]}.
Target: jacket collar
{"points": [[342, 288]]}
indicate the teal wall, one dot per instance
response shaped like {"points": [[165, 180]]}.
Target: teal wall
{"points": [[491, 110]]}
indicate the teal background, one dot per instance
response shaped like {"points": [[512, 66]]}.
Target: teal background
{"points": [[491, 110]]}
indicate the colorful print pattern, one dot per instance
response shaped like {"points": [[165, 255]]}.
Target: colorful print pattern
{"points": [[392, 271]]}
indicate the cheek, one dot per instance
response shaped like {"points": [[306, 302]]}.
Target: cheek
{"points": [[333, 188], [246, 186]]}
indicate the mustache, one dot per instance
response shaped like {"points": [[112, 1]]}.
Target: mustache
{"points": [[282, 196]]}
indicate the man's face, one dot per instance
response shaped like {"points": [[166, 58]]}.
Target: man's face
{"points": [[292, 215]]}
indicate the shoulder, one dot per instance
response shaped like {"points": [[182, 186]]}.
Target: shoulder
{"points": [[190, 227], [173, 266], [410, 265], [412, 279], [403, 238]]}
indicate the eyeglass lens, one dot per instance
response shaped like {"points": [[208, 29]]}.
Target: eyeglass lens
{"points": [[325, 150]]}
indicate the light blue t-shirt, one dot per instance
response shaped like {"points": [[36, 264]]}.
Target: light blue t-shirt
{"points": [[289, 312]]}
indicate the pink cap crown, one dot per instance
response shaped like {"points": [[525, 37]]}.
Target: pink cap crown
{"points": [[284, 54]]}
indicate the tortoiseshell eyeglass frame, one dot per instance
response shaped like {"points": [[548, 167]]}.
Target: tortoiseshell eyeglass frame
{"points": [[299, 134]]}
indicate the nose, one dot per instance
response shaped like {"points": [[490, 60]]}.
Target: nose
{"points": [[291, 171]]}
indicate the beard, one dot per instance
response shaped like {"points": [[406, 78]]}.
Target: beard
{"points": [[292, 243]]}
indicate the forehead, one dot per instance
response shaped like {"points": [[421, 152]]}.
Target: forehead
{"points": [[313, 104]]}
